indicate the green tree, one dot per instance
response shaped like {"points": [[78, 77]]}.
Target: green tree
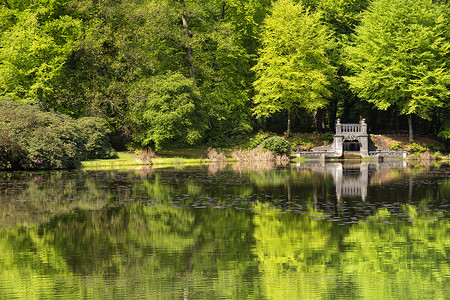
{"points": [[126, 41], [166, 109], [35, 40], [293, 68], [341, 16], [399, 57]]}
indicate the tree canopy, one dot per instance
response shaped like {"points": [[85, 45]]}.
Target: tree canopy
{"points": [[292, 69], [399, 56], [166, 109], [248, 63]]}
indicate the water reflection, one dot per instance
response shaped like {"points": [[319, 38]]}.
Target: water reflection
{"points": [[353, 178], [283, 233]]}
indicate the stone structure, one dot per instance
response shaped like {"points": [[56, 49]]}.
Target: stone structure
{"points": [[351, 140]]}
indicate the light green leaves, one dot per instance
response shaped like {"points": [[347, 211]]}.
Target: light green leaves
{"points": [[400, 57], [293, 69], [33, 49]]}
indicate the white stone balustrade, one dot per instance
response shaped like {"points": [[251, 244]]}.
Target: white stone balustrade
{"points": [[353, 129]]}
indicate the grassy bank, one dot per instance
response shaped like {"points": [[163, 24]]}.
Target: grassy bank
{"points": [[129, 160]]}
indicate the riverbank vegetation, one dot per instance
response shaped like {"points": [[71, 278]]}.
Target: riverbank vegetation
{"points": [[223, 74], [33, 139]]}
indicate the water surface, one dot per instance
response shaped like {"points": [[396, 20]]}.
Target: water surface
{"points": [[308, 231]]}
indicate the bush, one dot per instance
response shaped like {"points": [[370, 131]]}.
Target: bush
{"points": [[304, 142], [34, 139], [327, 137], [416, 148], [12, 152], [95, 138], [277, 145], [395, 145]]}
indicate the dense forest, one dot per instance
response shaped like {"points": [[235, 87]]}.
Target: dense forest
{"points": [[187, 72]]}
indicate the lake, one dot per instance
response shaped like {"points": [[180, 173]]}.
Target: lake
{"points": [[307, 231]]}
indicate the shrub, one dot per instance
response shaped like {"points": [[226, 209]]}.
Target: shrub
{"points": [[12, 152], [277, 145], [34, 139], [305, 141], [302, 144], [416, 148], [95, 138], [437, 155], [395, 145], [327, 137]]}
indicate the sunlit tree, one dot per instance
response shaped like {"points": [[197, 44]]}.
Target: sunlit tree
{"points": [[293, 69], [399, 57]]}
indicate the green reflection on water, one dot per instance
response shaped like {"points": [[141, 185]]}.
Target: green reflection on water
{"points": [[274, 234], [306, 256]]}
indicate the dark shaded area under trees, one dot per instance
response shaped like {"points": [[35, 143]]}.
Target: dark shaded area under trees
{"points": [[188, 72]]}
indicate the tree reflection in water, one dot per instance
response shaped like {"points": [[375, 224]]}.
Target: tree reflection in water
{"points": [[280, 233]]}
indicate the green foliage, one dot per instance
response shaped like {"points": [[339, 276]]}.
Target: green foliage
{"points": [[305, 145], [89, 58], [35, 41], [327, 137], [33, 139], [307, 141], [135, 40], [341, 15], [94, 133], [399, 56], [444, 132], [303, 141], [166, 109], [293, 69], [277, 145], [395, 145], [416, 148], [256, 140]]}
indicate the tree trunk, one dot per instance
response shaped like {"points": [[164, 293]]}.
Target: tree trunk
{"points": [[410, 128], [7, 4], [314, 119], [187, 41], [288, 131]]}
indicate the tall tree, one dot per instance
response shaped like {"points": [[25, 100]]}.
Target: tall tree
{"points": [[35, 40], [293, 69], [399, 57], [166, 109]]}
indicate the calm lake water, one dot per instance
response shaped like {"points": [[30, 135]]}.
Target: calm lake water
{"points": [[308, 231]]}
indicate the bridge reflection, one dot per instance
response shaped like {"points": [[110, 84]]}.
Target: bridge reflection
{"points": [[353, 179]]}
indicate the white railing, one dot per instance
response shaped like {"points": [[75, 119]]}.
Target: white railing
{"points": [[347, 128], [351, 128]]}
